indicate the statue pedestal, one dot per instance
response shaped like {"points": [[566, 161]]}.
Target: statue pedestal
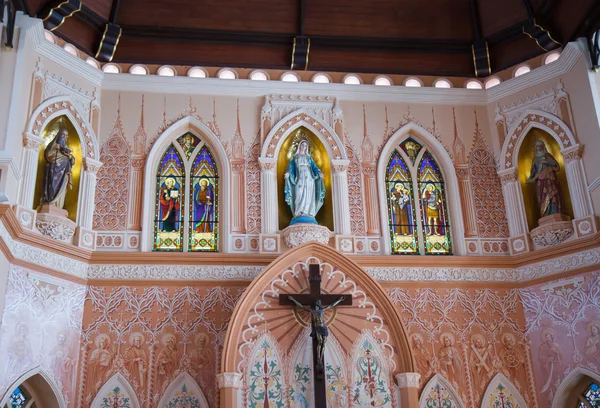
{"points": [[53, 222], [299, 234], [552, 230]]}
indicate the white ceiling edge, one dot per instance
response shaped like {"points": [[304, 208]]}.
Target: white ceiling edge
{"points": [[245, 87]]}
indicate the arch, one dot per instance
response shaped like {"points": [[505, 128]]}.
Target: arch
{"points": [[441, 383], [529, 119], [118, 386], [63, 105], [301, 117], [501, 384], [369, 359], [192, 390], [440, 154], [42, 388], [266, 367], [568, 388], [253, 295], [170, 135]]}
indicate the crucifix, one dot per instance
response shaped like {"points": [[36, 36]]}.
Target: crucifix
{"points": [[317, 303]]}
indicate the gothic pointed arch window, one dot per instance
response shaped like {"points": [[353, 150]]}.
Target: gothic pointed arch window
{"points": [[416, 202], [590, 397], [187, 197]]}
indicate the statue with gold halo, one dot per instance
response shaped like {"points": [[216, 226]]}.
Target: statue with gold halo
{"points": [[543, 172], [57, 173], [304, 186]]}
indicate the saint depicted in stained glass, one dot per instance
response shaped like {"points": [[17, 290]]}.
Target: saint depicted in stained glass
{"points": [[412, 148], [169, 203], [203, 216], [188, 143], [433, 207], [400, 207]]}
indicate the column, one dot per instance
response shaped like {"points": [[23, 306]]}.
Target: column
{"points": [[341, 205], [408, 383], [577, 186], [88, 193], [136, 193], [229, 389], [238, 181], [29, 166], [515, 215], [268, 202], [370, 194], [466, 200]]}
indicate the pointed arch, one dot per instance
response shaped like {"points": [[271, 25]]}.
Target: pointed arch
{"points": [[568, 389], [118, 387], [183, 389], [170, 135], [439, 387], [48, 385], [264, 375], [501, 385], [370, 362], [446, 165], [402, 220], [302, 117], [529, 119]]}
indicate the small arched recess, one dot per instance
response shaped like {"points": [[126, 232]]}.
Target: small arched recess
{"points": [[39, 388], [427, 144], [169, 140], [573, 386]]}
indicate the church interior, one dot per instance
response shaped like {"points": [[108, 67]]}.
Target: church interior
{"points": [[299, 204]]}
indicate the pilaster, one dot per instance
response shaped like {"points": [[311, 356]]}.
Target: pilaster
{"points": [[341, 205], [136, 184], [229, 389], [238, 180], [268, 202], [29, 166], [87, 194], [466, 200], [408, 383], [371, 201]]}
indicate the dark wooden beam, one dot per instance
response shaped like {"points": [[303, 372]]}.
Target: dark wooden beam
{"points": [[114, 11], [479, 48]]}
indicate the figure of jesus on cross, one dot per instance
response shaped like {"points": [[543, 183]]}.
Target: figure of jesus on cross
{"points": [[317, 303]]}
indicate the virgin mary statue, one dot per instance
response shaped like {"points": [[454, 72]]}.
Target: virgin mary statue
{"points": [[304, 186]]}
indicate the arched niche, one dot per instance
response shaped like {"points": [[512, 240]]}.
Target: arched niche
{"points": [[371, 365], [265, 370], [183, 390], [444, 161], [86, 140], [439, 389], [117, 388], [170, 135], [288, 273], [571, 152], [501, 389], [40, 387], [526, 155], [270, 173], [572, 386]]}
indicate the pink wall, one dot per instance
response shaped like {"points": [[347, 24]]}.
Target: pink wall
{"points": [[40, 329]]}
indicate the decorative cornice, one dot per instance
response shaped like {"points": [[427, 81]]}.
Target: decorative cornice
{"points": [[173, 272]]}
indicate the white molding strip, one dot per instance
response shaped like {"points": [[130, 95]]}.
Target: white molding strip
{"points": [[245, 87], [594, 185]]}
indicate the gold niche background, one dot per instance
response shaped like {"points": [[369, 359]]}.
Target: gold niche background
{"points": [[526, 155], [321, 158], [72, 197]]}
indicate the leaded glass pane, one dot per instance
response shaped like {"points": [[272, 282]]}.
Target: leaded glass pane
{"points": [[593, 395], [434, 213], [17, 398], [412, 148], [170, 189], [204, 203], [402, 222]]}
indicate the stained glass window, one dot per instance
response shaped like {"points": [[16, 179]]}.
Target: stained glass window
{"points": [[412, 148], [17, 399], [170, 200], [204, 203], [402, 222], [434, 213], [593, 395]]}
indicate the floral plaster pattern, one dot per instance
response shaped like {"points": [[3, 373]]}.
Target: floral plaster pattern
{"points": [[355, 191], [563, 324], [151, 335], [253, 187], [467, 336], [110, 213], [207, 272], [40, 327]]}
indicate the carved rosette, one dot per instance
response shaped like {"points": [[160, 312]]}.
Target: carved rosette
{"points": [[299, 234], [55, 227], [551, 234]]}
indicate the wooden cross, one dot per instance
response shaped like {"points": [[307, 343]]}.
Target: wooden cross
{"points": [[310, 300]]}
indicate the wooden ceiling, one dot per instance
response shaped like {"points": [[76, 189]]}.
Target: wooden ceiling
{"points": [[433, 37]]}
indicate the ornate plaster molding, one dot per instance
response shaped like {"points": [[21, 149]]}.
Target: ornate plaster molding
{"points": [[551, 234], [205, 272], [55, 227], [408, 380], [299, 234], [229, 380]]}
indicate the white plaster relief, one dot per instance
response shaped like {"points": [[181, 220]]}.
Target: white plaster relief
{"points": [[57, 86], [206, 272]]}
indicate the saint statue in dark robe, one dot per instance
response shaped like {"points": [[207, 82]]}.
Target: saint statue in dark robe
{"points": [[169, 206], [543, 172], [57, 173], [204, 207], [401, 210]]}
